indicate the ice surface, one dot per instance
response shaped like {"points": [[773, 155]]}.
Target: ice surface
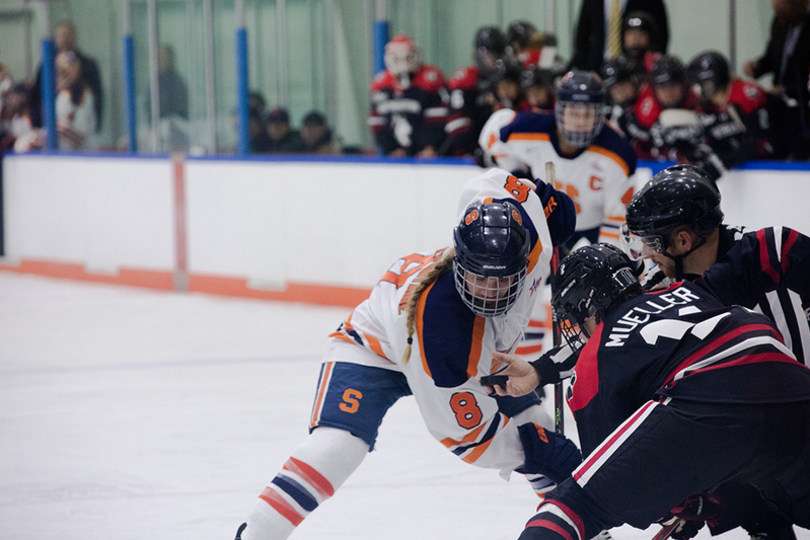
{"points": [[133, 414]]}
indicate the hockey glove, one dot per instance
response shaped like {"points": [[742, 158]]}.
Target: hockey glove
{"points": [[556, 364], [561, 214], [548, 453], [242, 527], [693, 513]]}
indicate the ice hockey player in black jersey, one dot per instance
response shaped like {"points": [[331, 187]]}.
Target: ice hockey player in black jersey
{"points": [[676, 221], [675, 395]]}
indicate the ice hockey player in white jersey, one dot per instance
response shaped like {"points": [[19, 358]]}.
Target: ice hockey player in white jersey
{"points": [[593, 163], [428, 330]]}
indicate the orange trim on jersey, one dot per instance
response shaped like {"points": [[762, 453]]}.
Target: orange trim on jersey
{"points": [[344, 337], [313, 477], [468, 438], [478, 451], [327, 373], [620, 219], [606, 234], [374, 345], [612, 155], [420, 311], [529, 350], [475, 348], [534, 256], [488, 200], [528, 137], [281, 506]]}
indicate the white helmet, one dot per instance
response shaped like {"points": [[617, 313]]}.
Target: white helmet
{"points": [[402, 56]]}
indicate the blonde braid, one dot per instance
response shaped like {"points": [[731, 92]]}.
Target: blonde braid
{"points": [[430, 277]]}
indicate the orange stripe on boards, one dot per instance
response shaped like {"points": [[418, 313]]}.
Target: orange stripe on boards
{"points": [[293, 292], [281, 506], [316, 410], [612, 155], [475, 348], [313, 477], [151, 279]]}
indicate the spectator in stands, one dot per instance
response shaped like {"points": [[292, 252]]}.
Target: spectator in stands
{"points": [[315, 134], [65, 40], [640, 36], [598, 35], [20, 119], [408, 103], [171, 87], [75, 105], [787, 56], [283, 139]]}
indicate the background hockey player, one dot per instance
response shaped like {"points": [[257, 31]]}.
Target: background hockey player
{"points": [[682, 419], [593, 162], [675, 220], [408, 103], [429, 329], [472, 94], [538, 86]]}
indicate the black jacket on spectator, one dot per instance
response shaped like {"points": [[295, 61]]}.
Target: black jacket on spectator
{"points": [[91, 75], [795, 77], [589, 45]]}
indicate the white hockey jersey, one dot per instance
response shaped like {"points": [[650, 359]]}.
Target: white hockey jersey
{"points": [[598, 178], [451, 346]]}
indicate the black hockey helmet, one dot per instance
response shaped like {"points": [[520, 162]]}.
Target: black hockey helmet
{"points": [[492, 257], [580, 88], [507, 68], [641, 20], [667, 70], [710, 71], [681, 195], [621, 69], [591, 281], [519, 32], [490, 45], [537, 76]]}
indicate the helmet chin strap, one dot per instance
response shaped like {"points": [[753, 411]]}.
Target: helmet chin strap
{"points": [[678, 259]]}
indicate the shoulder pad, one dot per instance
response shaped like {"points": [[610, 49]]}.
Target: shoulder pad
{"points": [[610, 140], [464, 78], [529, 122], [748, 96], [429, 78], [382, 80]]}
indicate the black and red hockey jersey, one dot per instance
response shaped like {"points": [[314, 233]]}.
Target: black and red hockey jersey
{"points": [[680, 343], [767, 270], [410, 116], [472, 102]]}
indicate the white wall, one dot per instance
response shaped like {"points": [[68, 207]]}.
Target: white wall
{"points": [[273, 224]]}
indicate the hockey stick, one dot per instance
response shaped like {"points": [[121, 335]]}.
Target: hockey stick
{"points": [[559, 420], [667, 530]]}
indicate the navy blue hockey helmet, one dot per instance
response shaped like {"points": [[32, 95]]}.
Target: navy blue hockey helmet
{"points": [[678, 196], [579, 107], [492, 249], [591, 281], [710, 71]]}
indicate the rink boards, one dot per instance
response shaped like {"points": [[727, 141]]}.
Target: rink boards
{"points": [[310, 230]]}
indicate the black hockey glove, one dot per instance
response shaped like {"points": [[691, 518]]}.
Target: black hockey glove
{"points": [[548, 453], [556, 364], [242, 527], [561, 214], [693, 513]]}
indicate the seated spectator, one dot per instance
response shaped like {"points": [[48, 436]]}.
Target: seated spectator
{"points": [[736, 114], [408, 103], [283, 139], [260, 141], [19, 121], [640, 40], [315, 134], [64, 35], [171, 87], [538, 87], [75, 105]]}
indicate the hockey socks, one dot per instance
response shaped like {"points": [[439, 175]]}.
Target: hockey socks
{"points": [[316, 469]]}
